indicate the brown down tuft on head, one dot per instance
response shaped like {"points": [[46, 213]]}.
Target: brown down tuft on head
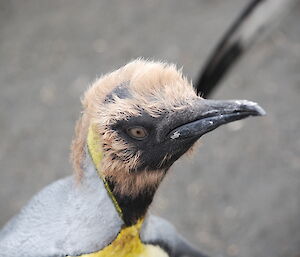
{"points": [[154, 87]]}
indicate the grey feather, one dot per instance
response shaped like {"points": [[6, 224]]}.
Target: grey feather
{"points": [[63, 219]]}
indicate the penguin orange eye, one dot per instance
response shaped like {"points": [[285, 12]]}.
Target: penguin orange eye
{"points": [[138, 133]]}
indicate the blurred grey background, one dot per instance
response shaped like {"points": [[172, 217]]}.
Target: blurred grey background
{"points": [[239, 194]]}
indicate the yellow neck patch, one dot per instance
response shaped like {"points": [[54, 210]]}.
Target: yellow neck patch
{"points": [[93, 142]]}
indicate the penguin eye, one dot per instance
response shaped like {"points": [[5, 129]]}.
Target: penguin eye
{"points": [[138, 133]]}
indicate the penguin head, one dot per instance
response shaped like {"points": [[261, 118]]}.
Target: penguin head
{"points": [[147, 115]]}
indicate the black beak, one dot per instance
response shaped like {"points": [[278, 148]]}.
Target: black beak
{"points": [[207, 115]]}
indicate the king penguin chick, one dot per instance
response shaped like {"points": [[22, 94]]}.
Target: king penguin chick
{"points": [[136, 122]]}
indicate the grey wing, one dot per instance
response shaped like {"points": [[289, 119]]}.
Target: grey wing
{"points": [[255, 21], [63, 219], [158, 231], [34, 231]]}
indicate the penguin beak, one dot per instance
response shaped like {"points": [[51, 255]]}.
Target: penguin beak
{"points": [[207, 115]]}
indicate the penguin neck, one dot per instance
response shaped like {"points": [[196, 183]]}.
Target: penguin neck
{"points": [[130, 207], [133, 207]]}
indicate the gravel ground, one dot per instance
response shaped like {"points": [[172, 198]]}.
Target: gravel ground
{"points": [[238, 195]]}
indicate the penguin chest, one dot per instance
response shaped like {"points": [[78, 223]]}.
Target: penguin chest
{"points": [[129, 244]]}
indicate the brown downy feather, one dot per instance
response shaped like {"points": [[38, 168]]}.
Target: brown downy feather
{"points": [[166, 88]]}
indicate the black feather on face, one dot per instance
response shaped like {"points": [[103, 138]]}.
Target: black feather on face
{"points": [[167, 136], [156, 151]]}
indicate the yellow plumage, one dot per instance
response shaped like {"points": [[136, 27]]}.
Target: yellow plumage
{"points": [[129, 244]]}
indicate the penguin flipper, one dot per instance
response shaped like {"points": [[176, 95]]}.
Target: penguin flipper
{"points": [[158, 231], [60, 220]]}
